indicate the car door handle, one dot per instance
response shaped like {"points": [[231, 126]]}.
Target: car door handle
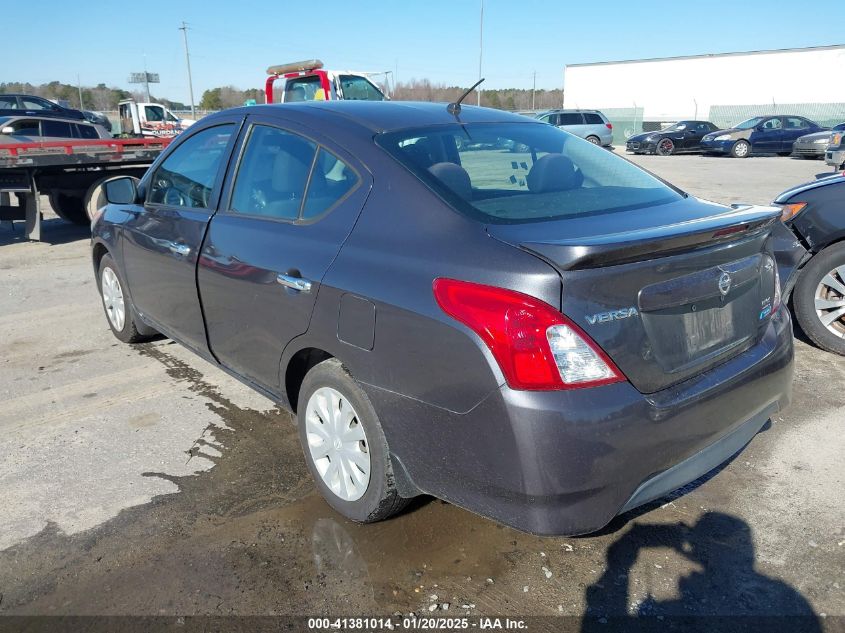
{"points": [[294, 283], [179, 249]]}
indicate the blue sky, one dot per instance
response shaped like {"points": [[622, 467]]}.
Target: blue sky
{"points": [[234, 42]]}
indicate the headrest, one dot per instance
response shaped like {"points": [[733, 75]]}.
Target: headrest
{"points": [[291, 165], [554, 172], [454, 177]]}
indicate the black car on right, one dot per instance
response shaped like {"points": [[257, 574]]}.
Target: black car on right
{"points": [[683, 136], [810, 253]]}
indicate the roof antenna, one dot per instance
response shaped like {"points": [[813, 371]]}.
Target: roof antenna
{"points": [[455, 108]]}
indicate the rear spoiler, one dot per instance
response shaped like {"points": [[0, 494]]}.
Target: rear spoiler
{"points": [[661, 241]]}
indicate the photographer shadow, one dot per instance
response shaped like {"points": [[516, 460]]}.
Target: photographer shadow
{"points": [[721, 592]]}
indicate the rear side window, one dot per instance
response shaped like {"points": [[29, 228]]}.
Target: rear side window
{"points": [[9, 103], [38, 104], [187, 176], [287, 177], [592, 118], [304, 89], [25, 127], [56, 129], [331, 180], [797, 123], [522, 172], [570, 118]]}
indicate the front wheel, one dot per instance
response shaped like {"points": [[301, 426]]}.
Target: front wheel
{"points": [[820, 299], [741, 149], [120, 313], [344, 445], [665, 147]]}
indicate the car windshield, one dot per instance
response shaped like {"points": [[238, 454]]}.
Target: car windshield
{"points": [[676, 127], [750, 123], [523, 172]]}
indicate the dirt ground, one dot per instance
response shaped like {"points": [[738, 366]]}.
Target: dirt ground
{"points": [[143, 481]]}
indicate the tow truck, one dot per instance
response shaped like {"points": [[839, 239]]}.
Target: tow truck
{"points": [[308, 81], [71, 173], [149, 119]]}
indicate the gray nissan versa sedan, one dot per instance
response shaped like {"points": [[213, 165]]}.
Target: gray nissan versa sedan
{"points": [[547, 338]]}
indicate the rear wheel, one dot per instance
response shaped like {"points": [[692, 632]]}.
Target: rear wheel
{"points": [[665, 147], [344, 445], [594, 140], [741, 149], [820, 299], [70, 207]]}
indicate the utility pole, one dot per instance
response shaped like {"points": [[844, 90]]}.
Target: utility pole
{"points": [[480, 46], [184, 29], [79, 87], [534, 92]]}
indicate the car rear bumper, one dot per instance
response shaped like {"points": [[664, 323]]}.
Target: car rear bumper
{"points": [[567, 462]]}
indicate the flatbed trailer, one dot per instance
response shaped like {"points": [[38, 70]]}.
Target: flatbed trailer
{"points": [[71, 173]]}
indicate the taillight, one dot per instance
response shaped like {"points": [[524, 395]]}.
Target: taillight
{"points": [[776, 300], [609, 126], [536, 347]]}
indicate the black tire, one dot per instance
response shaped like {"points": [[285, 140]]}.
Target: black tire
{"points": [[665, 147], [594, 140], [133, 329], [381, 499], [804, 298], [741, 149], [69, 207]]}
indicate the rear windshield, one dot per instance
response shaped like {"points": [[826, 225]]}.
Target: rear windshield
{"points": [[523, 172]]}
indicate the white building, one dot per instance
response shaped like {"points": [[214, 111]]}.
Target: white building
{"points": [[719, 87]]}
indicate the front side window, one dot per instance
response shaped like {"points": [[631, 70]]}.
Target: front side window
{"points": [[304, 89], [152, 113], [522, 172], [187, 176], [25, 127], [30, 103], [359, 89]]}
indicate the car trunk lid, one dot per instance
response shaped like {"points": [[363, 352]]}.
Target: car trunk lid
{"points": [[677, 290]]}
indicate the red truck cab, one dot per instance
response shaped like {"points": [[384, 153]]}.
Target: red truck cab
{"points": [[308, 81]]}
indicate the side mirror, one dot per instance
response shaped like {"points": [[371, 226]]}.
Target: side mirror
{"points": [[121, 190], [7, 130]]}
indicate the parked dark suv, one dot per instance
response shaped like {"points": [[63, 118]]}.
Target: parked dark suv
{"points": [[547, 337]]}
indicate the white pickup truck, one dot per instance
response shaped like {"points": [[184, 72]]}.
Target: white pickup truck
{"points": [[149, 119]]}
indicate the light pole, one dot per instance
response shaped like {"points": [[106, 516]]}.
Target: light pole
{"points": [[534, 92], [184, 29], [480, 46]]}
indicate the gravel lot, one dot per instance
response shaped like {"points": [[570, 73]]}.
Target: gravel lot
{"points": [[142, 480]]}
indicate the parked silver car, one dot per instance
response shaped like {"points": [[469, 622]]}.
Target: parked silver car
{"points": [[814, 145], [588, 124]]}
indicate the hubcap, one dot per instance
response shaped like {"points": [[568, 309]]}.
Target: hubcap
{"points": [[741, 149], [593, 140], [113, 299], [830, 301], [337, 443], [666, 146]]}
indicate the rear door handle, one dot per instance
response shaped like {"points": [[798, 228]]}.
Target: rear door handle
{"points": [[294, 283]]}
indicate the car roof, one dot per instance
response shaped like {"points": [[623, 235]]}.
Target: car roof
{"points": [[386, 116], [42, 117]]}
